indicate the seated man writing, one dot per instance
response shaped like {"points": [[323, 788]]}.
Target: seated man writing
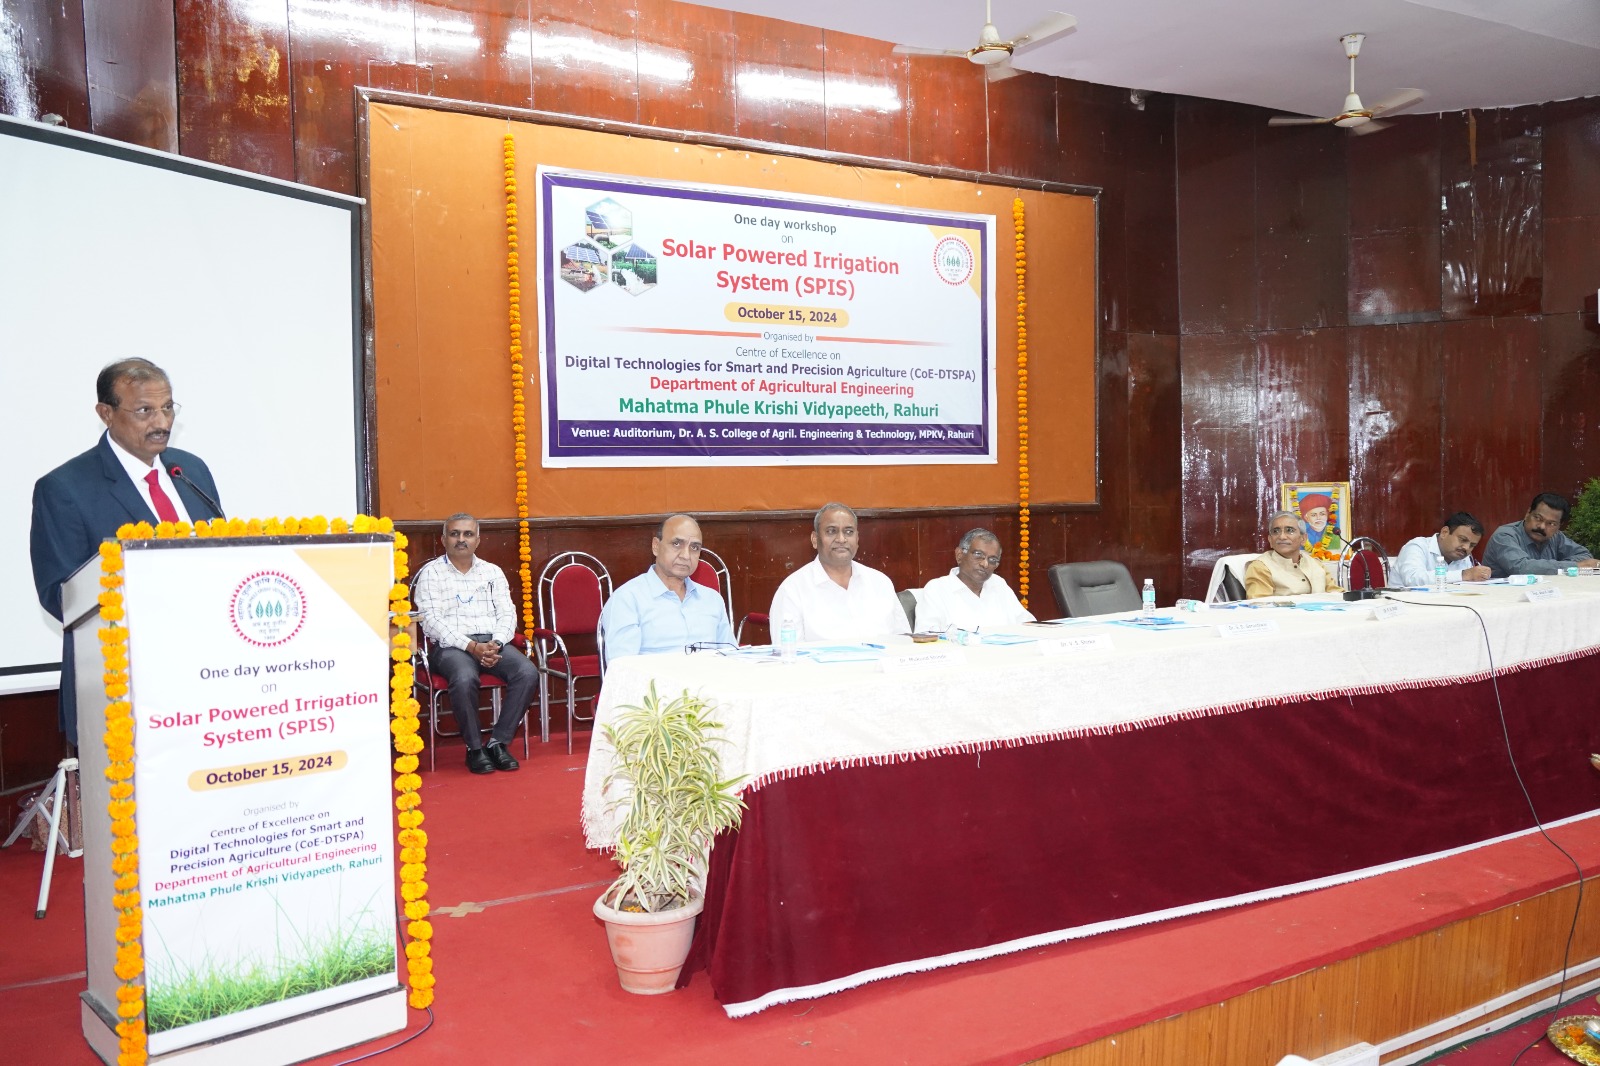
{"points": [[465, 607], [664, 608], [972, 594], [1536, 544], [833, 597], [1285, 569], [1451, 548]]}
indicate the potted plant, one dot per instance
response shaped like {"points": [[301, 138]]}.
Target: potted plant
{"points": [[676, 802], [1584, 526]]}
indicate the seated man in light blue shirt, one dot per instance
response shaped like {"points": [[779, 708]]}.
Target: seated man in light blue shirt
{"points": [[664, 609], [1451, 547]]}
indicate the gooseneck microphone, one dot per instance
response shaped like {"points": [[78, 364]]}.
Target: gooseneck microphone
{"points": [[178, 475], [1368, 552]]}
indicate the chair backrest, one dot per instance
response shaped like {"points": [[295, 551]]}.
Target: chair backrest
{"points": [[713, 574], [1221, 589], [573, 587], [908, 604], [1100, 587], [1366, 562]]}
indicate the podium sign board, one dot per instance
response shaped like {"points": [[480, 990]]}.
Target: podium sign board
{"points": [[259, 675]]}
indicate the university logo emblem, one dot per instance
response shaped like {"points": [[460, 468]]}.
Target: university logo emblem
{"points": [[952, 260], [268, 608]]}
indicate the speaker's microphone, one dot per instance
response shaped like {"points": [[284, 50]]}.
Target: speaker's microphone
{"points": [[177, 473]]}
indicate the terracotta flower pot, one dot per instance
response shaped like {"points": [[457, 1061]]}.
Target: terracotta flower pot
{"points": [[649, 949]]}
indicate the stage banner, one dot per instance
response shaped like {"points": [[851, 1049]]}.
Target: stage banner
{"points": [[260, 686], [684, 324]]}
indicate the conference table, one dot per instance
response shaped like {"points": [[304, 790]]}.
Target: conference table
{"points": [[916, 806]]}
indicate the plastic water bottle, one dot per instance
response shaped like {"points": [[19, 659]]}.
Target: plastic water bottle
{"points": [[1440, 571], [788, 639], [1148, 596]]}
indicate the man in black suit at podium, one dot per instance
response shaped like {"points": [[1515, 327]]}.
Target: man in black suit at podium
{"points": [[84, 500]]}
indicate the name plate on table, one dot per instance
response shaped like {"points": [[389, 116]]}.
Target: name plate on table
{"points": [[1253, 628], [1383, 611], [1077, 645], [922, 660], [1543, 593]]}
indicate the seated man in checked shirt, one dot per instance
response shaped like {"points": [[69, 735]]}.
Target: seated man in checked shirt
{"points": [[465, 608]]}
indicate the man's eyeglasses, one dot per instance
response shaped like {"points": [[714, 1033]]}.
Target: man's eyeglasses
{"points": [[994, 560], [145, 414], [1275, 530]]}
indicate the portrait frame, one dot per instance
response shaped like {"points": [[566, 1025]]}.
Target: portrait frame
{"points": [[1327, 542]]}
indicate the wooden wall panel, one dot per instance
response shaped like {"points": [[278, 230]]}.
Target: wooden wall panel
{"points": [[333, 49], [1491, 416], [1221, 506], [1216, 216], [480, 52], [778, 82], [1023, 140], [1394, 221], [45, 46], [586, 63], [687, 56], [133, 84], [866, 93], [1396, 431], [1304, 422], [1491, 251], [946, 114], [1571, 381], [1148, 233], [1301, 230], [233, 85]]}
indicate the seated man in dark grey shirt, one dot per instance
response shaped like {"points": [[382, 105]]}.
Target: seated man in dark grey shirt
{"points": [[1536, 544]]}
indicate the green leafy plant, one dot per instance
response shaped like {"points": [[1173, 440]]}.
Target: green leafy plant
{"points": [[676, 800], [1584, 526]]}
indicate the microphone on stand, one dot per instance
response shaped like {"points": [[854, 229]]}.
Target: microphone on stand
{"points": [[178, 475]]}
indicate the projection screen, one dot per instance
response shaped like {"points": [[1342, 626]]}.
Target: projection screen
{"points": [[245, 289]]}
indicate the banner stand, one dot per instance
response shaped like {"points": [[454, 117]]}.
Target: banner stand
{"points": [[212, 739]]}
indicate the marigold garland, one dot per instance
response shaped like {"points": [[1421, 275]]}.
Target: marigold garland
{"points": [[1022, 401], [519, 421], [404, 726], [129, 967]]}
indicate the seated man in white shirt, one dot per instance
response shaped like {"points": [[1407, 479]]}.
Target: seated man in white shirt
{"points": [[664, 609], [833, 597], [464, 604], [1451, 546], [972, 594]]}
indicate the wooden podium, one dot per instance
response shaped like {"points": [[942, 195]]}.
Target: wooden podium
{"points": [[259, 685]]}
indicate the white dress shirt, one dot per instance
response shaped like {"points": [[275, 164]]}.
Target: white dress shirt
{"points": [[138, 471], [947, 601], [1414, 565], [825, 611]]}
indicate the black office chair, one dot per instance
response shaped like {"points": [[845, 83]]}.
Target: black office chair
{"points": [[908, 604], [1100, 587]]}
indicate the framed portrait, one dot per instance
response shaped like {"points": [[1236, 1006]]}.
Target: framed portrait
{"points": [[1324, 510]]}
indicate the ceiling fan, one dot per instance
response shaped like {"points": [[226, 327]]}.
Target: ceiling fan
{"points": [[1355, 117], [994, 54]]}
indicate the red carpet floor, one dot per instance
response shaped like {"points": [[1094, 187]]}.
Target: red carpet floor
{"points": [[524, 974]]}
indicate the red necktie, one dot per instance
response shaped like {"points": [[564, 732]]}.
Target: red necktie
{"points": [[164, 509]]}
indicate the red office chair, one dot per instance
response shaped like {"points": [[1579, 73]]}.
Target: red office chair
{"points": [[713, 574], [573, 587]]}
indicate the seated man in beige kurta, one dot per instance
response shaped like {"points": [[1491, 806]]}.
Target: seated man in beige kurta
{"points": [[1285, 569]]}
